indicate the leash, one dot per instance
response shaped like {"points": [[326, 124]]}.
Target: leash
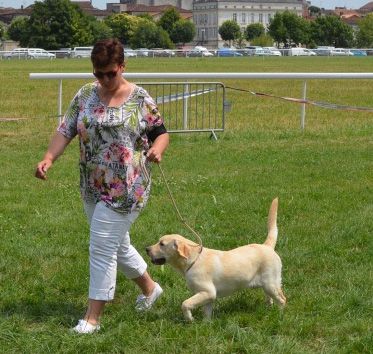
{"points": [[177, 209], [181, 218], [146, 175]]}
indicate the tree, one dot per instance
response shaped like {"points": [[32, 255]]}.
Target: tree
{"points": [[229, 31], [314, 11], [240, 42], [146, 16], [183, 32], [123, 26], [296, 28], [264, 40], [149, 35], [18, 30], [331, 30], [53, 24], [169, 19], [364, 35], [253, 31], [2, 30], [100, 30], [277, 29], [288, 28]]}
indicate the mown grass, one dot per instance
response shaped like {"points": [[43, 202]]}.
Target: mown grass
{"points": [[223, 188]]}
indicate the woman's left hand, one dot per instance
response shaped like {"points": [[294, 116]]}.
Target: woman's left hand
{"points": [[154, 155], [160, 144]]}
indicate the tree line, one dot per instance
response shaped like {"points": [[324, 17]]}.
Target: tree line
{"points": [[288, 29], [55, 24]]}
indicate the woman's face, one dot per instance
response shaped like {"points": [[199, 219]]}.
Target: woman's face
{"points": [[110, 76]]}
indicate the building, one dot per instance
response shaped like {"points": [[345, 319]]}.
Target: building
{"points": [[181, 4], [88, 9], [367, 8], [208, 15], [155, 11], [7, 14]]}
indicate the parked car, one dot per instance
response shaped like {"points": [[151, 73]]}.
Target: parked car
{"points": [[358, 52], [18, 53], [228, 52], [29, 53], [142, 52], [323, 51], [63, 53], [297, 52], [274, 51], [341, 52], [81, 52], [199, 51], [264, 52], [129, 53], [251, 49], [159, 52]]}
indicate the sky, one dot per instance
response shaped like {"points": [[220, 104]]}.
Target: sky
{"points": [[101, 4]]}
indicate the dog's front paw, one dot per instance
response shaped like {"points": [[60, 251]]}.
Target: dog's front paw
{"points": [[187, 312]]}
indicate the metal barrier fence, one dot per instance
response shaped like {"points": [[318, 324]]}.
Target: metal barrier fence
{"points": [[189, 106], [185, 106], [213, 76]]}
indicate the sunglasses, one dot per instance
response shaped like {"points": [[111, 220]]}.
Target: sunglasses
{"points": [[109, 74]]}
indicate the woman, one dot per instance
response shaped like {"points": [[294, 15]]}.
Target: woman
{"points": [[120, 132]]}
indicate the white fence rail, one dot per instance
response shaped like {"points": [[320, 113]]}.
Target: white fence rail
{"points": [[211, 76]]}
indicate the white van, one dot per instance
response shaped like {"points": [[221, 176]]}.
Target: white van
{"points": [[81, 52], [301, 52], [341, 52], [29, 53]]}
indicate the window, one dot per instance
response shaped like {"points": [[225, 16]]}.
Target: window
{"points": [[252, 18], [261, 18], [235, 17], [243, 18]]}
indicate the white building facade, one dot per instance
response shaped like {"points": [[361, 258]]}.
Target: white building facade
{"points": [[208, 15]]}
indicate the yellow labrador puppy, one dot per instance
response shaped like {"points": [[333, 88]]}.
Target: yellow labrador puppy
{"points": [[211, 273]]}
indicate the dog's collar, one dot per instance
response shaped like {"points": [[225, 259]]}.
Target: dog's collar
{"points": [[199, 253]]}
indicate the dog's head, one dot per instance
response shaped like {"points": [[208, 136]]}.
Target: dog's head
{"points": [[172, 249]]}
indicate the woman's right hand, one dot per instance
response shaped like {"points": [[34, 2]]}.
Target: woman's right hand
{"points": [[42, 168]]}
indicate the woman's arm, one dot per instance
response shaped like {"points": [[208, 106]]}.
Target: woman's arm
{"points": [[158, 148], [55, 149]]}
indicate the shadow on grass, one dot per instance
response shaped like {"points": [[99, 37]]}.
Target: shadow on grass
{"points": [[41, 311]]}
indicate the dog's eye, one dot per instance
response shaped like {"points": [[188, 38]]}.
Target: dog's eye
{"points": [[161, 243]]}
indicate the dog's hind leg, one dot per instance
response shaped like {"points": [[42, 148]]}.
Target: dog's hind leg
{"points": [[276, 294], [207, 309], [269, 300]]}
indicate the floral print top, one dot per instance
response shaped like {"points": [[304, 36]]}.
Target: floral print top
{"points": [[113, 140]]}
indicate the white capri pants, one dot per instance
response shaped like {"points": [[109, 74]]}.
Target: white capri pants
{"points": [[110, 247]]}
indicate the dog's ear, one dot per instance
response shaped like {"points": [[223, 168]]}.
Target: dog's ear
{"points": [[182, 249]]}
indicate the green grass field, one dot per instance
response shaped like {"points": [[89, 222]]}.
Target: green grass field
{"points": [[322, 176]]}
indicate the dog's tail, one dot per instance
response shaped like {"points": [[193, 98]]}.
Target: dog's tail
{"points": [[272, 225]]}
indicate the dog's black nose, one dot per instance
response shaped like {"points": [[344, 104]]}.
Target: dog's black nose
{"points": [[147, 249]]}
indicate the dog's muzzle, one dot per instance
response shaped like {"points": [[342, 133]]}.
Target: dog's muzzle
{"points": [[157, 261]]}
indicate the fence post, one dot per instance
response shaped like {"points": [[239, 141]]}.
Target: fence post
{"points": [[185, 106], [303, 108], [60, 102]]}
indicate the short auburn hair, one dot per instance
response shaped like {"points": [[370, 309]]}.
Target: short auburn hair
{"points": [[106, 52]]}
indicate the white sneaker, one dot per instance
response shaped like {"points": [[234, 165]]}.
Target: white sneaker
{"points": [[84, 327], [144, 303]]}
